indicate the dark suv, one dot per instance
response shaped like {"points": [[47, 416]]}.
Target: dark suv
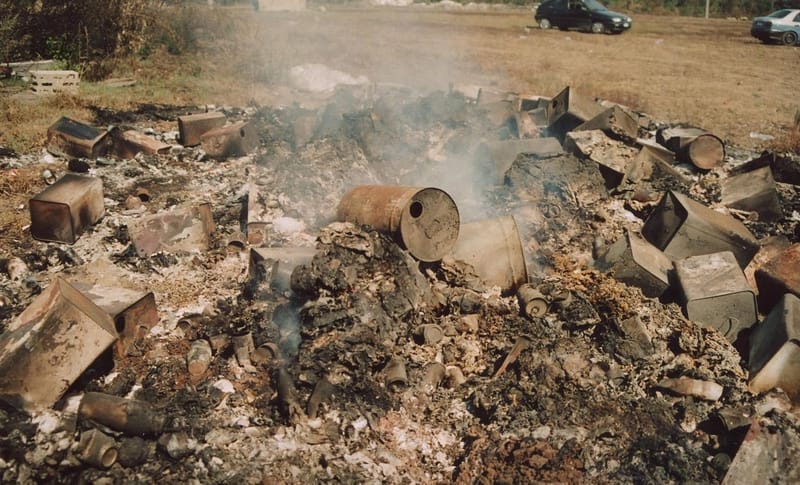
{"points": [[588, 15]]}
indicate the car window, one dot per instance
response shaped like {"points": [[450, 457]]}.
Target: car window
{"points": [[796, 18], [594, 5], [779, 14]]}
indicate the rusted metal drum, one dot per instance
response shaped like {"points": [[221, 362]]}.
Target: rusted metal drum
{"points": [[706, 151], [424, 220], [494, 249]]}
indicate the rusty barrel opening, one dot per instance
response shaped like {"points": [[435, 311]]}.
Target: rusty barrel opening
{"points": [[415, 209]]}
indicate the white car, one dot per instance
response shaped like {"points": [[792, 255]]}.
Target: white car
{"points": [[782, 26]]}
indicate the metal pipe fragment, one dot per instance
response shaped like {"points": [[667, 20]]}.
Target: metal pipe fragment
{"points": [[531, 301], [396, 377], [97, 449], [125, 415], [199, 357], [322, 392], [522, 343]]}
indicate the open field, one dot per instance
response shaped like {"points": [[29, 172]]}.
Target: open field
{"points": [[709, 73]]}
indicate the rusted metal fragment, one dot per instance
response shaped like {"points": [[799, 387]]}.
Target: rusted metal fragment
{"points": [[50, 344], [780, 275], [702, 149], [503, 153], [767, 455], [612, 155], [683, 227], [655, 160], [424, 220], [234, 140], [716, 293], [753, 191], [126, 144], [493, 247], [522, 343], [67, 137], [638, 263], [614, 122], [568, 110], [129, 416], [61, 212], [182, 229], [275, 265], [774, 359], [192, 127], [134, 312]]}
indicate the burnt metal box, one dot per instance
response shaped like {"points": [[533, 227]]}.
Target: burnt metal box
{"points": [[50, 344], [702, 149], [779, 275], [638, 263], [615, 122], [753, 191], [134, 312], [233, 140], [774, 359], [275, 265], [181, 229], [192, 127], [716, 293], [614, 157], [126, 144], [568, 110], [503, 153], [70, 138], [61, 212], [683, 227]]}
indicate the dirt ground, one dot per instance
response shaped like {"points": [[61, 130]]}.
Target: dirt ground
{"points": [[330, 377]]}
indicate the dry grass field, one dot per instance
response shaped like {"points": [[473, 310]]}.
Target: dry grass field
{"points": [[708, 73]]}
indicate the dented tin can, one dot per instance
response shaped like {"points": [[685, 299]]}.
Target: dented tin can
{"points": [[129, 416], [181, 229], [531, 301], [134, 312], [50, 344], [774, 358], [493, 247], [396, 378], [636, 262], [97, 449], [61, 212], [779, 275], [70, 138], [716, 293], [682, 227], [198, 358], [234, 140], [425, 221], [191, 127]]}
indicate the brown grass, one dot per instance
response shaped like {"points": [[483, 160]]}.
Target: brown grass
{"points": [[708, 73]]}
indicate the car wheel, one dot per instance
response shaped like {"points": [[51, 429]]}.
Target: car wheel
{"points": [[598, 28], [789, 38], [544, 24]]}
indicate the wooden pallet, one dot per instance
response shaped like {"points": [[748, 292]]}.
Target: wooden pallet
{"points": [[53, 82]]}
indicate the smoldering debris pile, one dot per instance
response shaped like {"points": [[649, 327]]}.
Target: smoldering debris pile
{"points": [[388, 286]]}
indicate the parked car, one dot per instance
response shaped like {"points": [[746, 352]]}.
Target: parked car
{"points": [[782, 26], [588, 15]]}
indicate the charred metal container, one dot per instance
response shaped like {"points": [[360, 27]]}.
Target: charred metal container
{"points": [[126, 144], [423, 220], [494, 249], [234, 140], [638, 263], [503, 153], [682, 227], [50, 344], [568, 110], [61, 212], [97, 449], [134, 312], [532, 302], [774, 359], [716, 293], [753, 191], [192, 127], [128, 416], [275, 265], [183, 229], [780, 275], [67, 137], [615, 122], [702, 149]]}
